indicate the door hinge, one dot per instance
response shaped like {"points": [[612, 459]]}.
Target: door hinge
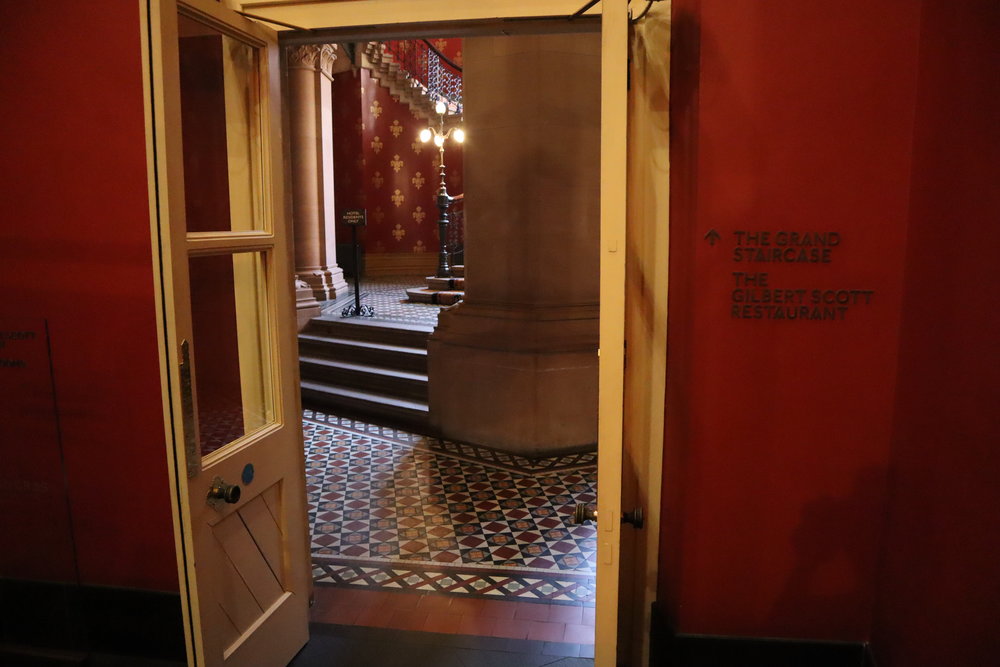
{"points": [[191, 453]]}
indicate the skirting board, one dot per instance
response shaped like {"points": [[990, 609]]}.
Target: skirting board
{"points": [[400, 263], [669, 649], [67, 618]]}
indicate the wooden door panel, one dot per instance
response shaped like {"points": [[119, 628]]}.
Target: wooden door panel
{"points": [[236, 600], [241, 550], [645, 323], [265, 643], [272, 498], [265, 532], [227, 286], [229, 632]]}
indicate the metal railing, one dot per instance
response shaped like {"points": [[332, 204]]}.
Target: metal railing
{"points": [[425, 64]]}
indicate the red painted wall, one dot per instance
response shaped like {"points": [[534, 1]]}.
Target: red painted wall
{"points": [[35, 526], [348, 155], [787, 116], [381, 165], [75, 249], [939, 583]]}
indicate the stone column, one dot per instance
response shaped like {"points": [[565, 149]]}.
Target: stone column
{"points": [[514, 365], [310, 95]]}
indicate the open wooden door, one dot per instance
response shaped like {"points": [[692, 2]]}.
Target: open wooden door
{"points": [[646, 269], [246, 599], [230, 370]]}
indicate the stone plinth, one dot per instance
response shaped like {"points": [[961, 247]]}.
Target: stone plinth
{"points": [[306, 305], [514, 377]]}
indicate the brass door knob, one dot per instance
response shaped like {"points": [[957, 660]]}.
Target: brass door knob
{"points": [[219, 490]]}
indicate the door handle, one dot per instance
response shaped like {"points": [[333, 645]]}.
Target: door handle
{"points": [[220, 490]]}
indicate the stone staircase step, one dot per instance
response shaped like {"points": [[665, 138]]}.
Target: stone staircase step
{"points": [[388, 381], [364, 403], [441, 298], [405, 358], [390, 333], [368, 369], [400, 84], [458, 270], [457, 284]]}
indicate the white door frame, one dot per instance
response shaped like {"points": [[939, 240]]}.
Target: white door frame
{"points": [[614, 51]]}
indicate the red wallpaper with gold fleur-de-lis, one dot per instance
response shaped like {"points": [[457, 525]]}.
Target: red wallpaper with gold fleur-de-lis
{"points": [[381, 165]]}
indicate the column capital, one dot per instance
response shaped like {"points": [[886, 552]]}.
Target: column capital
{"points": [[316, 57]]}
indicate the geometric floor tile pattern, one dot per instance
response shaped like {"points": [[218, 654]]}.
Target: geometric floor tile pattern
{"points": [[475, 453], [392, 510], [509, 584]]}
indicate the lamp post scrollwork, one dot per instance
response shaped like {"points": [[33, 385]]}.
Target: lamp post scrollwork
{"points": [[444, 200]]}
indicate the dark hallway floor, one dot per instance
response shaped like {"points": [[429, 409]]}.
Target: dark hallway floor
{"points": [[353, 646]]}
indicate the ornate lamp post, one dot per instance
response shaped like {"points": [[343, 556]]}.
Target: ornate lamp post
{"points": [[444, 200]]}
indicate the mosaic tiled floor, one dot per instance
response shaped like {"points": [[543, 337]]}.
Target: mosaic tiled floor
{"points": [[398, 511], [388, 296]]}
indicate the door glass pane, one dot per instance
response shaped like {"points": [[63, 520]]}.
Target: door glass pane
{"points": [[231, 361], [220, 126]]}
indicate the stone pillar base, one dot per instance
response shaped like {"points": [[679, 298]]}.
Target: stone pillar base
{"points": [[522, 379], [306, 305], [326, 283]]}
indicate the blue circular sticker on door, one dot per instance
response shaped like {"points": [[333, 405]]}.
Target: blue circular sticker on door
{"points": [[247, 476]]}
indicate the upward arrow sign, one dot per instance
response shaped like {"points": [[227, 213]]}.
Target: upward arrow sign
{"points": [[712, 236]]}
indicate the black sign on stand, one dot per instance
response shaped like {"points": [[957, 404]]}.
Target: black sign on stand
{"points": [[354, 218]]}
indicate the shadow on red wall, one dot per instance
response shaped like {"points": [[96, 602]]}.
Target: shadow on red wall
{"points": [[939, 583], [786, 145], [877, 121], [830, 565]]}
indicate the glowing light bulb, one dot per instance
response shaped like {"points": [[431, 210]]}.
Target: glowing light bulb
{"points": [[425, 135], [440, 108], [438, 140], [459, 135]]}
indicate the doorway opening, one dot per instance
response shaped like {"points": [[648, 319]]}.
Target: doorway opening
{"points": [[212, 636], [413, 526]]}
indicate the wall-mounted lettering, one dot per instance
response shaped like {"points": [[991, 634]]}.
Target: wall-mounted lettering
{"points": [[757, 295], [8, 348]]}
